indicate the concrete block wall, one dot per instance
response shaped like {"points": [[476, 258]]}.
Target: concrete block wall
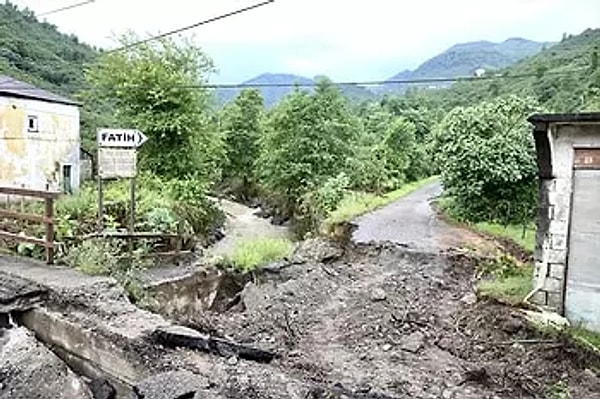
{"points": [[551, 243]]}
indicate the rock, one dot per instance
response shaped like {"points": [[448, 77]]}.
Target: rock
{"points": [[378, 295], [170, 385], [252, 298], [102, 389], [18, 294], [469, 299], [386, 347], [30, 370], [318, 250], [5, 320], [413, 342], [232, 361], [279, 220]]}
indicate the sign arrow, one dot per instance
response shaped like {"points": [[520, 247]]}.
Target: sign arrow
{"points": [[120, 138]]}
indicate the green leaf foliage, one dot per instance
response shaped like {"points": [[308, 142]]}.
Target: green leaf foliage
{"points": [[154, 87], [487, 160], [307, 140], [242, 126]]}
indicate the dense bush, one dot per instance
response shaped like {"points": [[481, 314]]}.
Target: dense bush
{"points": [[487, 160]]}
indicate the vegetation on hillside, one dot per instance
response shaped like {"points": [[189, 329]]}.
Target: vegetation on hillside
{"points": [[563, 78], [37, 53]]}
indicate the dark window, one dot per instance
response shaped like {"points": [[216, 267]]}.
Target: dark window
{"points": [[66, 179], [32, 123]]}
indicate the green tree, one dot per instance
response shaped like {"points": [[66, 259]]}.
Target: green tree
{"points": [[487, 160], [308, 140], [156, 87], [367, 167], [242, 126]]}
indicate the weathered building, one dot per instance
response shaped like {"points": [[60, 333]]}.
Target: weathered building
{"points": [[39, 138], [567, 255]]}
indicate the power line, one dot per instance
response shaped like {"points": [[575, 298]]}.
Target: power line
{"points": [[51, 12], [314, 84], [179, 30], [66, 8]]}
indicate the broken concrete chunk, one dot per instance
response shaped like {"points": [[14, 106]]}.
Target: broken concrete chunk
{"points": [[18, 294], [413, 343], [170, 385], [30, 370], [182, 337]]}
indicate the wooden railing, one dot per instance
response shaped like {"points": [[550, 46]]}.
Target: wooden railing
{"points": [[47, 219]]}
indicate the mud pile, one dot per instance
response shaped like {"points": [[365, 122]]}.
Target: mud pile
{"points": [[376, 321]]}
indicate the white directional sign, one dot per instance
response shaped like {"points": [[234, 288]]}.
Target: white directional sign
{"points": [[120, 138]]}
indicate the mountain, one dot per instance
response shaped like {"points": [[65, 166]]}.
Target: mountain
{"points": [[37, 53], [459, 60], [273, 94], [465, 58], [563, 78]]}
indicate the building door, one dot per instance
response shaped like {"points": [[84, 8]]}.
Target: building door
{"points": [[67, 182], [582, 296]]}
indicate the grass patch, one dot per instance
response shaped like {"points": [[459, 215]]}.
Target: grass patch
{"points": [[588, 337], [248, 255], [355, 204], [506, 280], [511, 290], [523, 237]]}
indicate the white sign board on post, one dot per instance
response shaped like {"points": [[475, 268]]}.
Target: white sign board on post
{"points": [[117, 158], [117, 163]]}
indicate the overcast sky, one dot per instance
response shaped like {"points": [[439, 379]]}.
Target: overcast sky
{"points": [[344, 39]]}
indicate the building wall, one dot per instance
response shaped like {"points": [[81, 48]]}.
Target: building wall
{"points": [[32, 159], [555, 211]]}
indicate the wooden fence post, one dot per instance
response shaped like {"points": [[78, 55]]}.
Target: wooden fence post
{"points": [[49, 221]]}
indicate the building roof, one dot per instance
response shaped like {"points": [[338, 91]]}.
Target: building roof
{"points": [[584, 117], [15, 88]]}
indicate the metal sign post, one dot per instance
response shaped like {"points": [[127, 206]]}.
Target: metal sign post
{"points": [[117, 158]]}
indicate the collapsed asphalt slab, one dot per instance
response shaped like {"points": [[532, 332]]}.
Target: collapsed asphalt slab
{"points": [[29, 370]]}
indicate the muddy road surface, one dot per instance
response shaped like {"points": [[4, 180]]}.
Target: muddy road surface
{"points": [[380, 322], [392, 315]]}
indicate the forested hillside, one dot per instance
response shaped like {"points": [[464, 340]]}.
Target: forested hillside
{"points": [[563, 78], [38, 53], [464, 59]]}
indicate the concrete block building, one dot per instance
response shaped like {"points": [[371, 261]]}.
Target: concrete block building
{"points": [[39, 138], [567, 254]]}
